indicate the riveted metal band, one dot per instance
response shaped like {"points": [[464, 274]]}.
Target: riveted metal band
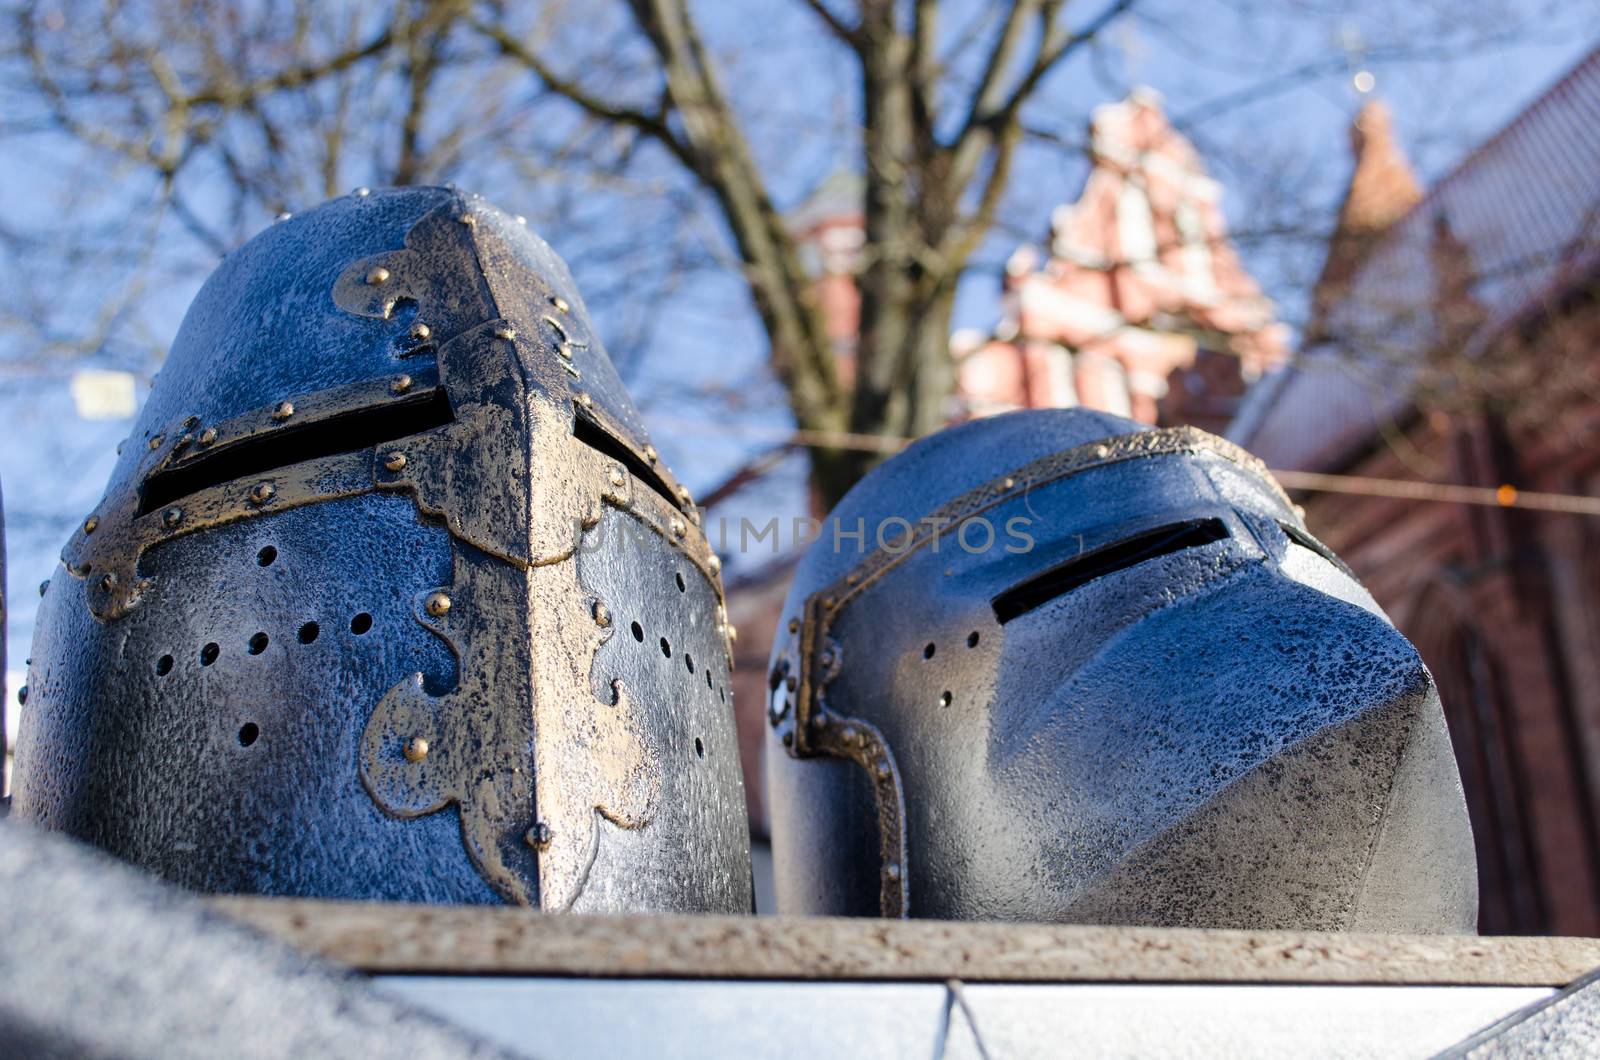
{"points": [[819, 730], [107, 546]]}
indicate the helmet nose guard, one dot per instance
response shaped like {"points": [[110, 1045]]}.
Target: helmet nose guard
{"points": [[1102, 673], [449, 363]]}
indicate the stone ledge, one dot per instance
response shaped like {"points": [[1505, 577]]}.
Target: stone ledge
{"points": [[461, 940]]}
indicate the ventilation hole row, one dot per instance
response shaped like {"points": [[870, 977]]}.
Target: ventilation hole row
{"points": [[307, 634], [688, 660], [930, 648]]}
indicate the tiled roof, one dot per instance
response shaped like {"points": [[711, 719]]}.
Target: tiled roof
{"points": [[1524, 209]]}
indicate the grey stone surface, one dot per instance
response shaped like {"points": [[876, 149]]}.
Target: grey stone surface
{"points": [[98, 960], [1563, 1027]]}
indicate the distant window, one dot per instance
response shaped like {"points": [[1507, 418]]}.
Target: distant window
{"points": [[1199, 271], [1136, 227], [1063, 388]]}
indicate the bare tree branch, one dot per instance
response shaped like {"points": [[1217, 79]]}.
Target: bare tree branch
{"points": [[655, 125], [848, 34]]}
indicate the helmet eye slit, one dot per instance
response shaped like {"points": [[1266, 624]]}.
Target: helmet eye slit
{"points": [[1108, 559], [599, 439], [347, 432]]}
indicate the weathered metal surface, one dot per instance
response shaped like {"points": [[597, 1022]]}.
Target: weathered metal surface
{"points": [[1147, 697], [97, 960], [393, 939], [390, 416]]}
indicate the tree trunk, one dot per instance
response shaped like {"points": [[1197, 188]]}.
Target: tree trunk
{"points": [[918, 402]]}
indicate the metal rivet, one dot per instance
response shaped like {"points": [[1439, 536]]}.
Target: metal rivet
{"points": [[208, 436], [90, 523], [183, 441], [851, 737], [585, 400], [714, 561], [416, 749], [819, 721], [362, 193], [540, 835], [394, 461], [560, 304], [285, 215], [1009, 483], [505, 332], [565, 351], [789, 682], [419, 330], [22, 696], [602, 614], [172, 517], [678, 528], [378, 275], [284, 410], [44, 586], [828, 601], [852, 578], [155, 443], [468, 219], [733, 633], [1102, 451], [400, 384], [191, 423], [437, 604], [650, 453], [883, 770], [617, 476], [521, 220], [892, 870], [794, 625], [262, 492]]}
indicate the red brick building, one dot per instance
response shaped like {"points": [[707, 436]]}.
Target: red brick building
{"points": [[1139, 304], [1455, 338]]}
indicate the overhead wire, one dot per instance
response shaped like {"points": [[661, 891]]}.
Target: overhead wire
{"points": [[1503, 495]]}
